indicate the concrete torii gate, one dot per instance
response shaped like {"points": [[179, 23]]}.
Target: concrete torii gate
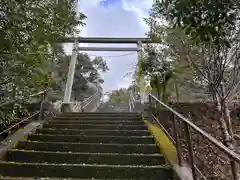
{"points": [[101, 40]]}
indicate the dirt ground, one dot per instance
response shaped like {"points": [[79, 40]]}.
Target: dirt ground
{"points": [[212, 162]]}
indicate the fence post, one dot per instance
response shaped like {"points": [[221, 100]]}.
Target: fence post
{"points": [[129, 106], [175, 132], [149, 107], [233, 164], [42, 110], [234, 168], [190, 150]]}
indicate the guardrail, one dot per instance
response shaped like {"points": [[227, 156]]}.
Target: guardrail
{"points": [[189, 138], [39, 113], [94, 100], [237, 137]]}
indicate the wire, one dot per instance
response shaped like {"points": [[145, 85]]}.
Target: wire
{"points": [[112, 56], [84, 53], [116, 56]]}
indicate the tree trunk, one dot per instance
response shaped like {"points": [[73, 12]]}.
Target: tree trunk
{"points": [[220, 108], [227, 113], [223, 124], [228, 140], [228, 120], [231, 141], [224, 120], [176, 91]]}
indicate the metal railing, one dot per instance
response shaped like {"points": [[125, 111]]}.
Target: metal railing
{"points": [[189, 138], [91, 101], [39, 114]]}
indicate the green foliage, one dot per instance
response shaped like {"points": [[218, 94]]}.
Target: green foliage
{"points": [[204, 21], [87, 71], [159, 69], [203, 37], [193, 37], [28, 29], [120, 96]]}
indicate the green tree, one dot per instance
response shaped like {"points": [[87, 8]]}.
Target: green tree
{"points": [[120, 96], [165, 73], [204, 21], [88, 71], [204, 35], [209, 43], [28, 29]]}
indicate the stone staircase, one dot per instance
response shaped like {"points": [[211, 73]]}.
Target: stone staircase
{"points": [[108, 107], [87, 146]]}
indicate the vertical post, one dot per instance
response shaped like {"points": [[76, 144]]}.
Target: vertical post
{"points": [[234, 168], [230, 141], [150, 107], [98, 103], [190, 150], [41, 113], [141, 84], [71, 73], [175, 133], [65, 107], [129, 102], [129, 105], [139, 53], [132, 100]]}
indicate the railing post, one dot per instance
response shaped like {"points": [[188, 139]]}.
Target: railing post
{"points": [[233, 164], [149, 107], [175, 132], [132, 101], [42, 110], [129, 102], [190, 150], [129, 105], [234, 168]]}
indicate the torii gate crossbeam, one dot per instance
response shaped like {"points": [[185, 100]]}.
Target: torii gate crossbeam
{"points": [[76, 40], [104, 40], [107, 49]]}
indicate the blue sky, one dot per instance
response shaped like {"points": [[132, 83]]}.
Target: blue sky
{"points": [[115, 18]]}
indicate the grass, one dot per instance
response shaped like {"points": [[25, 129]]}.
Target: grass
{"points": [[167, 148]]}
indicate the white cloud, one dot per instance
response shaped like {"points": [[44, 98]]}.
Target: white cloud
{"points": [[122, 18], [139, 7]]}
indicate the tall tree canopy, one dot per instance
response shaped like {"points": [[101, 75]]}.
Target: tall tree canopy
{"points": [[28, 29], [204, 21], [198, 43]]}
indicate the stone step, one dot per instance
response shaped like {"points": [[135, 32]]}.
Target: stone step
{"points": [[83, 121], [97, 116], [95, 126], [92, 139], [123, 114], [93, 132], [47, 178], [88, 147], [87, 158], [109, 118], [15, 169]]}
